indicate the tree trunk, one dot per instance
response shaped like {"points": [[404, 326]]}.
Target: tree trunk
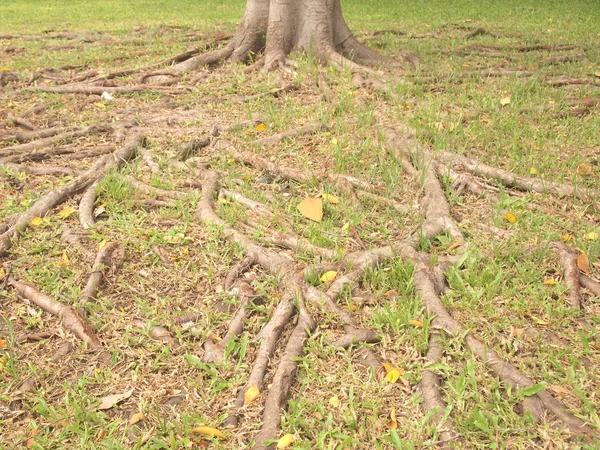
{"points": [[279, 27]]}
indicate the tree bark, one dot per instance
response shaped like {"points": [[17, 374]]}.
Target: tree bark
{"points": [[276, 28]]}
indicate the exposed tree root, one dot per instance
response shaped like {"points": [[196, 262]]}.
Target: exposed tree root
{"points": [[310, 128], [568, 261], [62, 193], [71, 320], [98, 90], [104, 260], [26, 136], [47, 142], [574, 81]]}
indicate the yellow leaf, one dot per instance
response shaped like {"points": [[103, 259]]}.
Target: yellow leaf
{"points": [[510, 217], [392, 424], [567, 237], [66, 212], [331, 199], [100, 105], [334, 141], [136, 418], [3, 360], [208, 431], [2, 273], [416, 323], [4, 69], [312, 208], [505, 101], [597, 74], [37, 221], [328, 276], [346, 226], [334, 401], [64, 259], [3, 344], [533, 171], [102, 244], [285, 441], [351, 307], [583, 263], [230, 160], [393, 373], [540, 321], [591, 236], [550, 282], [261, 127], [251, 394]]}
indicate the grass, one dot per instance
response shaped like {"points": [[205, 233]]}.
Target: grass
{"points": [[175, 265]]}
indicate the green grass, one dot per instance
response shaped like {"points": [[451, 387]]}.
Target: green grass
{"points": [[174, 264]]}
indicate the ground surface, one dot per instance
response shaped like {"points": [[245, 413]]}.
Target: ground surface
{"points": [[508, 288]]}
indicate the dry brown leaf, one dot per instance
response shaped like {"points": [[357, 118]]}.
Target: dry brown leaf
{"points": [[111, 400], [558, 389], [584, 169], [583, 263], [251, 394], [312, 208]]}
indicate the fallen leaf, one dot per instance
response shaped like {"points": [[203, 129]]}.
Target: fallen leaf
{"points": [[251, 394], [516, 332], [416, 323], [330, 199], [2, 273], [558, 389], [334, 141], [102, 244], [334, 401], [312, 208], [36, 221], [505, 101], [583, 263], [597, 74], [393, 373], [328, 276], [550, 282], [539, 321], [3, 360], [584, 169], [346, 226], [285, 441], [66, 212], [3, 344], [510, 217], [34, 432], [136, 418], [454, 246], [591, 236], [261, 127], [208, 431], [111, 400], [392, 424], [64, 259], [533, 171], [100, 105], [101, 434], [567, 237]]}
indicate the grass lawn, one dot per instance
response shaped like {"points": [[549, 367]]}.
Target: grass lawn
{"points": [[515, 85]]}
